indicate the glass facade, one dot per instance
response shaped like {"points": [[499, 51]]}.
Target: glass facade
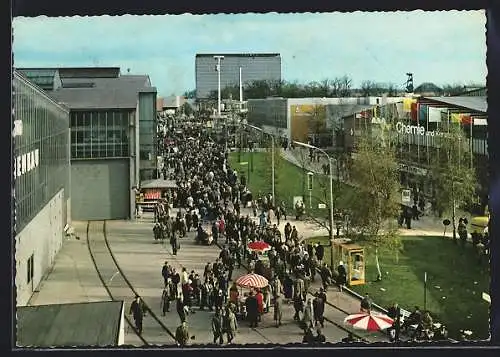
{"points": [[271, 112], [418, 148], [147, 134], [41, 153], [44, 78], [260, 66], [100, 134]]}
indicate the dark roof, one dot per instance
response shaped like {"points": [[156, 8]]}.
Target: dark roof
{"points": [[238, 54], [427, 87], [106, 93], [80, 324], [475, 103], [44, 78], [81, 72]]}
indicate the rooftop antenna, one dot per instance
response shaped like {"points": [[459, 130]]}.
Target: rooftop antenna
{"points": [[409, 83]]}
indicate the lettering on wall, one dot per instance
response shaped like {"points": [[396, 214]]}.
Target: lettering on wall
{"points": [[416, 130], [26, 162]]}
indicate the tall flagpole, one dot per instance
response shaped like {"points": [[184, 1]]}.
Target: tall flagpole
{"points": [[470, 142]]}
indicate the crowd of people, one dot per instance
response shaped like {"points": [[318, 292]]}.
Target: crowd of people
{"points": [[209, 198]]}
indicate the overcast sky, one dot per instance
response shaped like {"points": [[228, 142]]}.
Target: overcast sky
{"points": [[440, 47]]}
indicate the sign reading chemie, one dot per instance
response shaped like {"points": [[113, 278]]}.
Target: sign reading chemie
{"points": [[415, 130], [26, 162]]}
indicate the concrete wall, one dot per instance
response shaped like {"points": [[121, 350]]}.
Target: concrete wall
{"points": [[100, 189], [42, 237]]}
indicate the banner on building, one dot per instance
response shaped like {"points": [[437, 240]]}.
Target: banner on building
{"points": [[480, 121], [399, 109], [422, 112], [414, 111], [461, 118], [434, 114], [407, 104]]}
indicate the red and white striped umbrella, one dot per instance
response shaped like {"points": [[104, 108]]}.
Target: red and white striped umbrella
{"points": [[369, 321], [259, 246], [252, 281]]}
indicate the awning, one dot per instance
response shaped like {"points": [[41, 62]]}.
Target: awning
{"points": [[158, 183]]}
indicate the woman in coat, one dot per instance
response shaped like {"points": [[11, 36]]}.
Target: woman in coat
{"points": [[277, 311], [308, 319], [288, 287], [180, 309], [260, 303], [230, 324]]}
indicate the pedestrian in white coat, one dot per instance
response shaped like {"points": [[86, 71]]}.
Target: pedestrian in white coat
{"points": [[308, 319]]}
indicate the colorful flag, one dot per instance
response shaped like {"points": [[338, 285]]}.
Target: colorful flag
{"points": [[435, 114], [422, 112], [399, 109], [407, 104], [455, 117], [462, 118], [414, 111], [466, 119], [480, 121]]}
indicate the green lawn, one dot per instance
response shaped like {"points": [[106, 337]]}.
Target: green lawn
{"points": [[290, 181], [455, 281]]}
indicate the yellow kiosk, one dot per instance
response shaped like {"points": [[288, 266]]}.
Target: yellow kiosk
{"points": [[353, 257]]}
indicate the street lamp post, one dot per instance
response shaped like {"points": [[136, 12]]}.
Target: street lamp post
{"points": [[330, 165], [272, 157], [217, 68]]}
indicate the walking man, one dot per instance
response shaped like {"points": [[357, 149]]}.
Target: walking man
{"points": [[174, 242], [182, 334], [217, 327], [137, 311]]}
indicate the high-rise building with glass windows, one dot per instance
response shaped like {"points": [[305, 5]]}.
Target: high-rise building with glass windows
{"points": [[113, 128], [254, 67], [41, 173]]}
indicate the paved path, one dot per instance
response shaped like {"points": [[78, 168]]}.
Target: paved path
{"points": [[141, 260], [73, 278], [427, 225]]}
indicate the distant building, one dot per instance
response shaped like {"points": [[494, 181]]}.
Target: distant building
{"points": [[113, 135], [414, 124], [306, 119], [254, 66], [474, 92], [170, 105], [428, 89], [41, 158]]}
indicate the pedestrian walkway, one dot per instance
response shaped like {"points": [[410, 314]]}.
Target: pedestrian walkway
{"points": [[141, 260], [73, 278], [426, 225]]}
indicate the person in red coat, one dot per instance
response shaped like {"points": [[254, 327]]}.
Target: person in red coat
{"points": [[260, 303]]}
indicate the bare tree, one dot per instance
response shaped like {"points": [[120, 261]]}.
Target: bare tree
{"points": [[367, 88], [453, 176], [335, 87], [375, 174], [325, 87], [345, 86]]}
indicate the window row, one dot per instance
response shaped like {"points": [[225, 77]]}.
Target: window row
{"points": [[99, 150], [40, 116], [110, 135], [99, 119], [36, 188]]}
